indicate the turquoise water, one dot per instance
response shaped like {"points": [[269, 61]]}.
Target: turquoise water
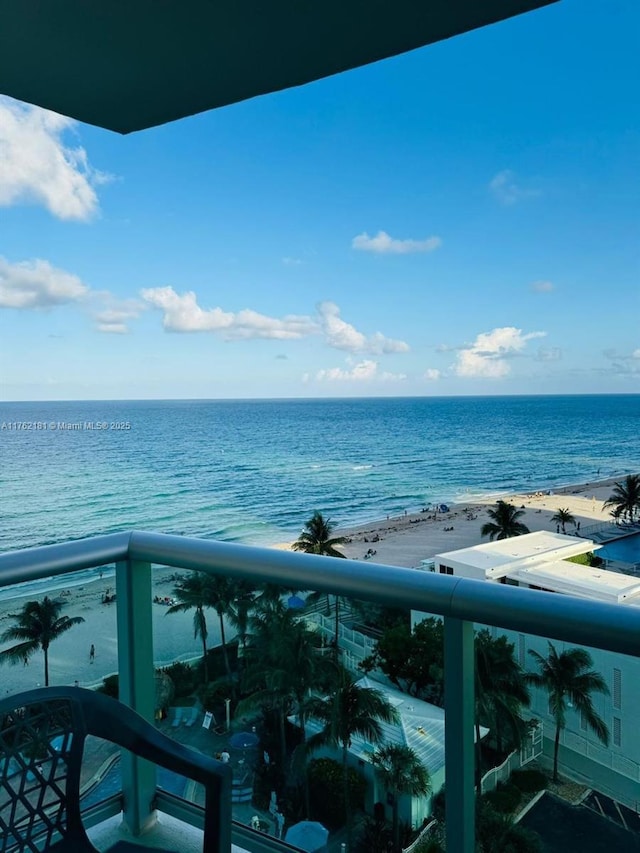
{"points": [[627, 550], [253, 471]]}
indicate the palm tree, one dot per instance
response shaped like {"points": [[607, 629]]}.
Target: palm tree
{"points": [[316, 538], [568, 679], [349, 711], [625, 499], [401, 772], [505, 522], [192, 595], [282, 664], [563, 517], [38, 624], [501, 692]]}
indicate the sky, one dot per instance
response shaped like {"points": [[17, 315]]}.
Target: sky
{"points": [[460, 220]]}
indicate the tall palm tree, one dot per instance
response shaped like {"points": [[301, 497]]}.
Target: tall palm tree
{"points": [[501, 692], [401, 772], [190, 592], [567, 678], [505, 522], [625, 499], [282, 664], [563, 517], [348, 711], [37, 625], [317, 538]]}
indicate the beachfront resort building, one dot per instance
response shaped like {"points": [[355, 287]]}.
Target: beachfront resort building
{"points": [[539, 561]]}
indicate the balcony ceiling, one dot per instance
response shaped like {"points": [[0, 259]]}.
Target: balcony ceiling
{"points": [[130, 64]]}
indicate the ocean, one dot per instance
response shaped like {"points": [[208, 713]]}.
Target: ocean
{"points": [[253, 471]]}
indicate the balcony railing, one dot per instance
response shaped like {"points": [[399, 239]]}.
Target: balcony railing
{"points": [[461, 602]]}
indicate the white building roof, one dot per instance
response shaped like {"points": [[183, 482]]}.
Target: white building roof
{"points": [[532, 548], [421, 727], [582, 581]]}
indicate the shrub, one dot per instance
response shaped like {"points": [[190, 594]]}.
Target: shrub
{"points": [[529, 781], [110, 686], [505, 798], [326, 791], [182, 676]]}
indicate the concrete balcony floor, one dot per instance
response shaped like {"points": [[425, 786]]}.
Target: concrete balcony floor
{"points": [[168, 833]]}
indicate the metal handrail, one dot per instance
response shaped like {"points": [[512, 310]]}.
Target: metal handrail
{"points": [[613, 627], [462, 602]]}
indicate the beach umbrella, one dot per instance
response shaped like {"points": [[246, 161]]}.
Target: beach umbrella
{"points": [[244, 740], [308, 835], [294, 602]]}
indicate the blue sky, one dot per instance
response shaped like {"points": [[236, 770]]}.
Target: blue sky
{"points": [[463, 219]]}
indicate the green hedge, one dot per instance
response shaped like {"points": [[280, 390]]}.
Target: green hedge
{"points": [[326, 791], [529, 781]]}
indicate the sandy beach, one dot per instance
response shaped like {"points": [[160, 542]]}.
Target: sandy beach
{"points": [[402, 541], [408, 539], [69, 655]]}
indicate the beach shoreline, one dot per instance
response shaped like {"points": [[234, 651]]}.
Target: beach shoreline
{"points": [[402, 541]]}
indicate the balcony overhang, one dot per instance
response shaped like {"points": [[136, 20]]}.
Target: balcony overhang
{"points": [[130, 65]]}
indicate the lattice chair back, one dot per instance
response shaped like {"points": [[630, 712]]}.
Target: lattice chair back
{"points": [[42, 736], [41, 745]]}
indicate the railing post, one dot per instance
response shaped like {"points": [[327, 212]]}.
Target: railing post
{"points": [[136, 684], [459, 705]]}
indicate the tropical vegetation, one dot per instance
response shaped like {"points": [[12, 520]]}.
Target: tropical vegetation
{"points": [[501, 694], [504, 523], [350, 710], [36, 626], [401, 772], [625, 499], [317, 538], [568, 679], [199, 591], [412, 659], [563, 517]]}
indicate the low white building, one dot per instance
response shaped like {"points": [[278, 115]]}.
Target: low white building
{"points": [[538, 561]]}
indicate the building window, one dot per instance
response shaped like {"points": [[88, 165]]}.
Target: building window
{"points": [[617, 689], [446, 570], [617, 731], [583, 722]]}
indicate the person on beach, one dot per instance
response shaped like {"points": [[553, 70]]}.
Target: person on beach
{"points": [[92, 653]]}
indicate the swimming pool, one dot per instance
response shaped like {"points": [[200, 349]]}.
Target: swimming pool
{"points": [[626, 549]]}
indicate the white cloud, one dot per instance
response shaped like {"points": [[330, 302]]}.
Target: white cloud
{"points": [[183, 314], [623, 364], [542, 286], [37, 166], [112, 314], [488, 356], [291, 262], [507, 190], [549, 354], [342, 335], [382, 243], [432, 374], [363, 371], [37, 284]]}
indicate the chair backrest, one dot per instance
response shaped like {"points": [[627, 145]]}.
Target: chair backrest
{"points": [[42, 737], [41, 744]]}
